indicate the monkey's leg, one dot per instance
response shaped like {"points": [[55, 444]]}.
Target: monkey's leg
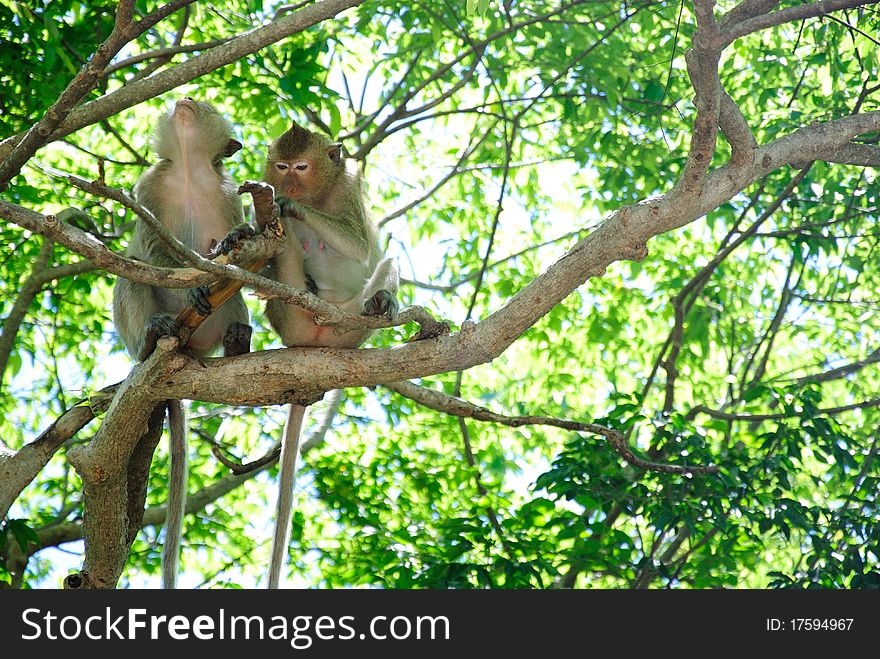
{"points": [[177, 477], [380, 292], [237, 339], [158, 326], [286, 479], [197, 298], [133, 306]]}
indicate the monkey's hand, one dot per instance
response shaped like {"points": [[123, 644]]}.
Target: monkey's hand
{"points": [[197, 298], [382, 303], [158, 326], [263, 196], [311, 286], [290, 208], [233, 239]]}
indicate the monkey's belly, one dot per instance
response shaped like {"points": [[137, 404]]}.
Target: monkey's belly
{"points": [[337, 276], [170, 301], [299, 329]]}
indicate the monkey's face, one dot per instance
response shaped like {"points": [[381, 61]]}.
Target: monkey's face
{"points": [[194, 130], [304, 179], [296, 178]]}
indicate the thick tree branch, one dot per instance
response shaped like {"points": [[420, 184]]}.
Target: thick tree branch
{"points": [[161, 53], [622, 236], [747, 9], [103, 465], [702, 64], [757, 22], [17, 470], [862, 155], [737, 132], [84, 81], [142, 90]]}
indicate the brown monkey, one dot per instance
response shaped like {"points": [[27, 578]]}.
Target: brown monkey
{"points": [[191, 194], [333, 251]]}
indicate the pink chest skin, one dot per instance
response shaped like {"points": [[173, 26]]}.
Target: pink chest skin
{"points": [[307, 246]]}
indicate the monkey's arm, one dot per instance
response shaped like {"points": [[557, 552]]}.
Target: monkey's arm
{"points": [[378, 297], [346, 233], [134, 304]]}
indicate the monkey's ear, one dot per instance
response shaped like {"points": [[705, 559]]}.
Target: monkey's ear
{"points": [[335, 153], [233, 147]]}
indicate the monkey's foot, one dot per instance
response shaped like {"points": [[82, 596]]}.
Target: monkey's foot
{"points": [[263, 196], [158, 326], [234, 239], [197, 298], [382, 303], [237, 340]]}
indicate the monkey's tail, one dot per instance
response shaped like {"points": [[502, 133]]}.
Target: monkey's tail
{"points": [[177, 473], [332, 401], [289, 449]]}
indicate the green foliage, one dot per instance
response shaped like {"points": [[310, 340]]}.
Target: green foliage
{"points": [[602, 119]]}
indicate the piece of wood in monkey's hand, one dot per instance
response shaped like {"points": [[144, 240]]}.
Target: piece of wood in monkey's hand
{"points": [[263, 196]]}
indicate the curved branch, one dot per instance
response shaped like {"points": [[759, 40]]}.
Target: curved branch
{"points": [[160, 53], [99, 256], [623, 235], [26, 294], [85, 80], [19, 469], [130, 95], [762, 21], [441, 402], [830, 411]]}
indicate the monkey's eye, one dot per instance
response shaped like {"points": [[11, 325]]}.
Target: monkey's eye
{"points": [[301, 166], [282, 166]]}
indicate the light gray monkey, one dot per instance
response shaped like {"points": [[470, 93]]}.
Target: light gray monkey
{"points": [[191, 194], [332, 251]]}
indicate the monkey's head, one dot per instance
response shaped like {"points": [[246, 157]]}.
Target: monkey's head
{"points": [[303, 165], [194, 131]]}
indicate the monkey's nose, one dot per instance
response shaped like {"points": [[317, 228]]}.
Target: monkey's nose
{"points": [[184, 109]]}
